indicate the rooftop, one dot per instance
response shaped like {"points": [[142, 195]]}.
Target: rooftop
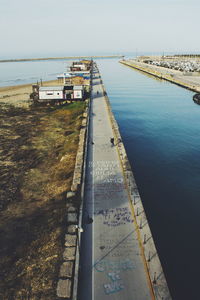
{"points": [[78, 87], [51, 88]]}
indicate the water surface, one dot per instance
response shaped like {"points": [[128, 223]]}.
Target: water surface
{"points": [[160, 125], [14, 73]]}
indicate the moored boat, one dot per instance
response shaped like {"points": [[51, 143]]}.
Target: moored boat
{"points": [[196, 98]]}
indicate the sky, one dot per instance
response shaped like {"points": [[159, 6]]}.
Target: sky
{"points": [[40, 28]]}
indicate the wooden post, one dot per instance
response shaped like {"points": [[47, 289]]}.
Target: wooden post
{"points": [[140, 223], [137, 212], [154, 278], [145, 236], [149, 257]]}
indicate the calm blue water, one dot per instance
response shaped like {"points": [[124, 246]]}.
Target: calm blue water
{"points": [[160, 126], [30, 72], [14, 73]]}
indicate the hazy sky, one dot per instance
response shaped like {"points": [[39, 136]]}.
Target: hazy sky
{"points": [[48, 27]]}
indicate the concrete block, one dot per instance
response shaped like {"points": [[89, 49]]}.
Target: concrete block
{"points": [[66, 269], [64, 288], [71, 209], [71, 229], [69, 253], [70, 194], [72, 218], [70, 240], [74, 187]]}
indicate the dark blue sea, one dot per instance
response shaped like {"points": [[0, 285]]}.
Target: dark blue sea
{"points": [[160, 127]]}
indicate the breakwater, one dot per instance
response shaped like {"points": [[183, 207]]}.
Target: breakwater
{"points": [[112, 201], [58, 58], [161, 75], [147, 245]]}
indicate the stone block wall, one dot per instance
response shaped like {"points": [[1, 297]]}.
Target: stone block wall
{"points": [[68, 274]]}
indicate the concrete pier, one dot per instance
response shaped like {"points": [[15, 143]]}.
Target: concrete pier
{"points": [[118, 258], [189, 82]]}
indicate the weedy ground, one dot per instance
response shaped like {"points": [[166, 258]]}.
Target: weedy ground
{"points": [[37, 156]]}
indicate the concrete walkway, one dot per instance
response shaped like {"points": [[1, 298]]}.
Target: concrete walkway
{"points": [[112, 265]]}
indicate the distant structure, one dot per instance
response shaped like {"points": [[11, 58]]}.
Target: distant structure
{"points": [[74, 85], [69, 92], [180, 63]]}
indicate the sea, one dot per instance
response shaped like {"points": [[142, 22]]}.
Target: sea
{"points": [[160, 128]]}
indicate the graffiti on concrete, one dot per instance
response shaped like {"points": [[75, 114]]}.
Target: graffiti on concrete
{"points": [[105, 171], [103, 164], [100, 187], [113, 287], [115, 216], [109, 266], [114, 275], [113, 270]]}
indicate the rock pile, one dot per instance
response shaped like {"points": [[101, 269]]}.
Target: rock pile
{"points": [[180, 65]]}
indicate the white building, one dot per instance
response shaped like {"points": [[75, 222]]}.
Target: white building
{"points": [[80, 65], [78, 91], [51, 92]]}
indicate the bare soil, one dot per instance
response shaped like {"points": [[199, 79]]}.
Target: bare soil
{"points": [[37, 155]]}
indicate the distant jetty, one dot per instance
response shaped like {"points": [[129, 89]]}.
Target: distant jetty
{"points": [[183, 79], [57, 58]]}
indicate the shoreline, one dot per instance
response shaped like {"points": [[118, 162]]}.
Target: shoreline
{"points": [[57, 58], [9, 87]]}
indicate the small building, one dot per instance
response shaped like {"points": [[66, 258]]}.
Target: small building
{"points": [[78, 92], [80, 80], [58, 94], [84, 74], [74, 92], [79, 66], [68, 92], [64, 78], [75, 68], [74, 78], [77, 80], [87, 62], [63, 75], [51, 92]]}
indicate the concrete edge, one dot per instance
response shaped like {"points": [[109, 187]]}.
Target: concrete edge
{"points": [[152, 261], [77, 260], [160, 75], [67, 287]]}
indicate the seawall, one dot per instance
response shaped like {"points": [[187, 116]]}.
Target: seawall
{"points": [[147, 264], [149, 252], [68, 275], [161, 75]]}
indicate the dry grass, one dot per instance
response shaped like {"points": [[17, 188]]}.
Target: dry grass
{"points": [[38, 150]]}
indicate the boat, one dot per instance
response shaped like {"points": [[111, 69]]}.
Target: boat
{"points": [[196, 98]]}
